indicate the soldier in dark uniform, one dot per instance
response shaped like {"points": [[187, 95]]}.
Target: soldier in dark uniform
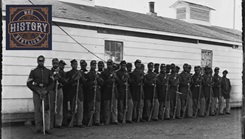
{"points": [[137, 77], [156, 68], [123, 79], [110, 83], [173, 91], [101, 66], [56, 97], [226, 90], [184, 88], [162, 86], [207, 88], [41, 82], [93, 80], [129, 67], [168, 68], [73, 77], [197, 92], [149, 85], [218, 99]]}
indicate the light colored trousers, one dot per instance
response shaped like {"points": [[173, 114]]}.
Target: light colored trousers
{"points": [[38, 111], [200, 106], [218, 103], [121, 110], [56, 118], [136, 109], [148, 105], [96, 117], [107, 110]]}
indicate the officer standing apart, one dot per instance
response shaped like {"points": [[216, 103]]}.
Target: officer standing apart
{"points": [[110, 94], [226, 90], [41, 82]]}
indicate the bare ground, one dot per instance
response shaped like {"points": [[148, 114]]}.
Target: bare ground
{"points": [[215, 127]]}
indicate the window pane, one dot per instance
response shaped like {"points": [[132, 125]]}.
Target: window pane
{"points": [[118, 57], [107, 45], [119, 47], [113, 46]]}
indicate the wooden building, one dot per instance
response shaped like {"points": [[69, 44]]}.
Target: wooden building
{"points": [[121, 35]]}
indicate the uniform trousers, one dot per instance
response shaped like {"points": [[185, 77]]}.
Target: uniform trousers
{"points": [[38, 111], [218, 103], [121, 107], [199, 105], [96, 117], [56, 118], [109, 114], [148, 105], [162, 109], [138, 105]]}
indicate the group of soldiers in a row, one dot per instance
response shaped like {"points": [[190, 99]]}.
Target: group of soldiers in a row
{"points": [[119, 94]]}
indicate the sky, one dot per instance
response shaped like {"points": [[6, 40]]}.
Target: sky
{"points": [[221, 16]]}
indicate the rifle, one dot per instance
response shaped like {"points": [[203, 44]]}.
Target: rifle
{"points": [[185, 107], [164, 108], [94, 102], [112, 96], [176, 101], [75, 108], [209, 103], [153, 101], [126, 103], [198, 100], [56, 97], [43, 116], [139, 103]]}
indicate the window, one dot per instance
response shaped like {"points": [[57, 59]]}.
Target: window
{"points": [[114, 50], [181, 13], [199, 14], [207, 58]]}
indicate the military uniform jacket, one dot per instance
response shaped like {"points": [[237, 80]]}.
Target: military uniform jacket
{"points": [[225, 87], [149, 81], [162, 82], [108, 83], [173, 83], [40, 77], [72, 84], [207, 83], [90, 86], [197, 80], [122, 85], [62, 80], [136, 84], [185, 80]]}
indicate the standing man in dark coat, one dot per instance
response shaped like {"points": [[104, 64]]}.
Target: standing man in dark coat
{"points": [[93, 79], [208, 90], [123, 79], [72, 79], [184, 88], [218, 100], [137, 91], [41, 82], [56, 97], [226, 90], [110, 97], [162, 86], [149, 85], [197, 92], [173, 91]]}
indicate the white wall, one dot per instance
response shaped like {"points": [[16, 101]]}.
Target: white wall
{"points": [[17, 64]]}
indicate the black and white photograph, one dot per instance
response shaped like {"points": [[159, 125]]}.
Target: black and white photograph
{"points": [[123, 69]]}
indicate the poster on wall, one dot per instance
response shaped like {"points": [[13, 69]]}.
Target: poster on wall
{"points": [[207, 58]]}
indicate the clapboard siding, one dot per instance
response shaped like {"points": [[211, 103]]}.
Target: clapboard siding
{"points": [[17, 64]]}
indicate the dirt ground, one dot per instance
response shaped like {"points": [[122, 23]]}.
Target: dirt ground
{"points": [[215, 127]]}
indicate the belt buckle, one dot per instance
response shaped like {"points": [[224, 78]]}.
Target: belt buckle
{"points": [[41, 85]]}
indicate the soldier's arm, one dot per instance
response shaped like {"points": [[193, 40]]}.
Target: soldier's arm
{"points": [[29, 82], [62, 78], [51, 82]]}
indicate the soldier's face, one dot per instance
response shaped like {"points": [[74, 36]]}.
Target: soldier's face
{"points": [[138, 65], [129, 68], [163, 69], [40, 63], [93, 67], [197, 70], [109, 66], [100, 66], [150, 68], [74, 65], [216, 72], [123, 66], [83, 65], [55, 65], [224, 74], [61, 66], [156, 67]]}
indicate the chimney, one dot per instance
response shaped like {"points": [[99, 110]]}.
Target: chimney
{"points": [[152, 8]]}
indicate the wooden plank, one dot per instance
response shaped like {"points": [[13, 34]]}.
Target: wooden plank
{"points": [[17, 117], [16, 91], [17, 105]]}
